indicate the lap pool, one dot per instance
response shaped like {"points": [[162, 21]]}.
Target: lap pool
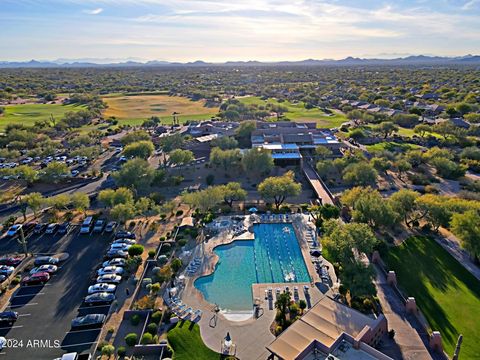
{"points": [[273, 257]]}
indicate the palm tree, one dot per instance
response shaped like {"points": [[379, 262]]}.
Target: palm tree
{"points": [[282, 303]]}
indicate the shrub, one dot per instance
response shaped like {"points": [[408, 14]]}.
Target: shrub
{"points": [[278, 330], [179, 213], [121, 351], [135, 250], [108, 350], [131, 339], [176, 264], [151, 253], [162, 238], [135, 320], [16, 280], [111, 330], [152, 328], [182, 242], [156, 317], [146, 339], [210, 179]]}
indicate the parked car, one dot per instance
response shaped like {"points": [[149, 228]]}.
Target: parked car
{"points": [[28, 227], [14, 230], [39, 228], [88, 321], [102, 287], [99, 298], [2, 278], [10, 261], [109, 279], [112, 225], [44, 268], [110, 270], [116, 254], [114, 262], [86, 225], [122, 234], [120, 246], [99, 225], [124, 241], [8, 317], [6, 270], [51, 228], [63, 227], [45, 260], [37, 278]]}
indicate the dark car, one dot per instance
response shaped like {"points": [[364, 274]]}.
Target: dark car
{"points": [[88, 321], [28, 227], [99, 225], [122, 234], [51, 228], [10, 261], [117, 253], [37, 278], [63, 228], [8, 317], [45, 260], [2, 278], [99, 298], [39, 228]]}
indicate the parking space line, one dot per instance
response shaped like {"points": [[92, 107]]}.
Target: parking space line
{"points": [[79, 331], [79, 344], [22, 315], [16, 306], [92, 307], [11, 327], [18, 296]]}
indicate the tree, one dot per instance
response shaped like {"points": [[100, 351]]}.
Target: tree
{"points": [[257, 161], [204, 200], [358, 279], [171, 142], [135, 136], [140, 149], [302, 304], [225, 142], [122, 212], [466, 227], [233, 192], [279, 188], [361, 173], [144, 206], [245, 129], [135, 250], [110, 197], [322, 152], [27, 173], [180, 157], [402, 167], [381, 164], [59, 202], [404, 203], [472, 118], [436, 210], [368, 206], [422, 130], [445, 129], [387, 128], [176, 264], [226, 159], [135, 173], [55, 171], [281, 304], [406, 120], [80, 201], [34, 201]]}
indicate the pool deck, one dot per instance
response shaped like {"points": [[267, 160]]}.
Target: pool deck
{"points": [[241, 325]]}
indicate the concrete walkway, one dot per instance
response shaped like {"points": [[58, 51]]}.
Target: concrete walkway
{"points": [[410, 340]]}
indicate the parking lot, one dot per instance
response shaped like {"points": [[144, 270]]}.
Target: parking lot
{"points": [[42, 330]]}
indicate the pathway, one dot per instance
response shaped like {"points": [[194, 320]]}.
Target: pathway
{"points": [[320, 189], [410, 337]]}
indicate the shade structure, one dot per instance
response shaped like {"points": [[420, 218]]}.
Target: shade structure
{"points": [[253, 210]]}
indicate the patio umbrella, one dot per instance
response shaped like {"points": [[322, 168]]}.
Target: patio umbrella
{"points": [[253, 210], [316, 253]]}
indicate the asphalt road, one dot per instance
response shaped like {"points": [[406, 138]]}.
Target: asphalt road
{"points": [[45, 312]]}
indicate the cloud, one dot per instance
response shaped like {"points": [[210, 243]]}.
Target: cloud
{"points": [[470, 4], [93, 11]]}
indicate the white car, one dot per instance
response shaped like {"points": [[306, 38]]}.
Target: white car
{"points": [[102, 287], [109, 278], [117, 270], [44, 268], [120, 246], [114, 262], [124, 241]]}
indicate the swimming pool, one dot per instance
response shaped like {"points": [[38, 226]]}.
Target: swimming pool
{"points": [[273, 257]]}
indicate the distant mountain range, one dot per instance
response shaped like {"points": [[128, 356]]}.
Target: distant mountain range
{"points": [[409, 60]]}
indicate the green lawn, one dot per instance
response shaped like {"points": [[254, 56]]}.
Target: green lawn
{"points": [[297, 112], [447, 294], [391, 146], [28, 114], [187, 343]]}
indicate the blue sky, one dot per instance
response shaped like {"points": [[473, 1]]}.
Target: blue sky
{"points": [[221, 30]]}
